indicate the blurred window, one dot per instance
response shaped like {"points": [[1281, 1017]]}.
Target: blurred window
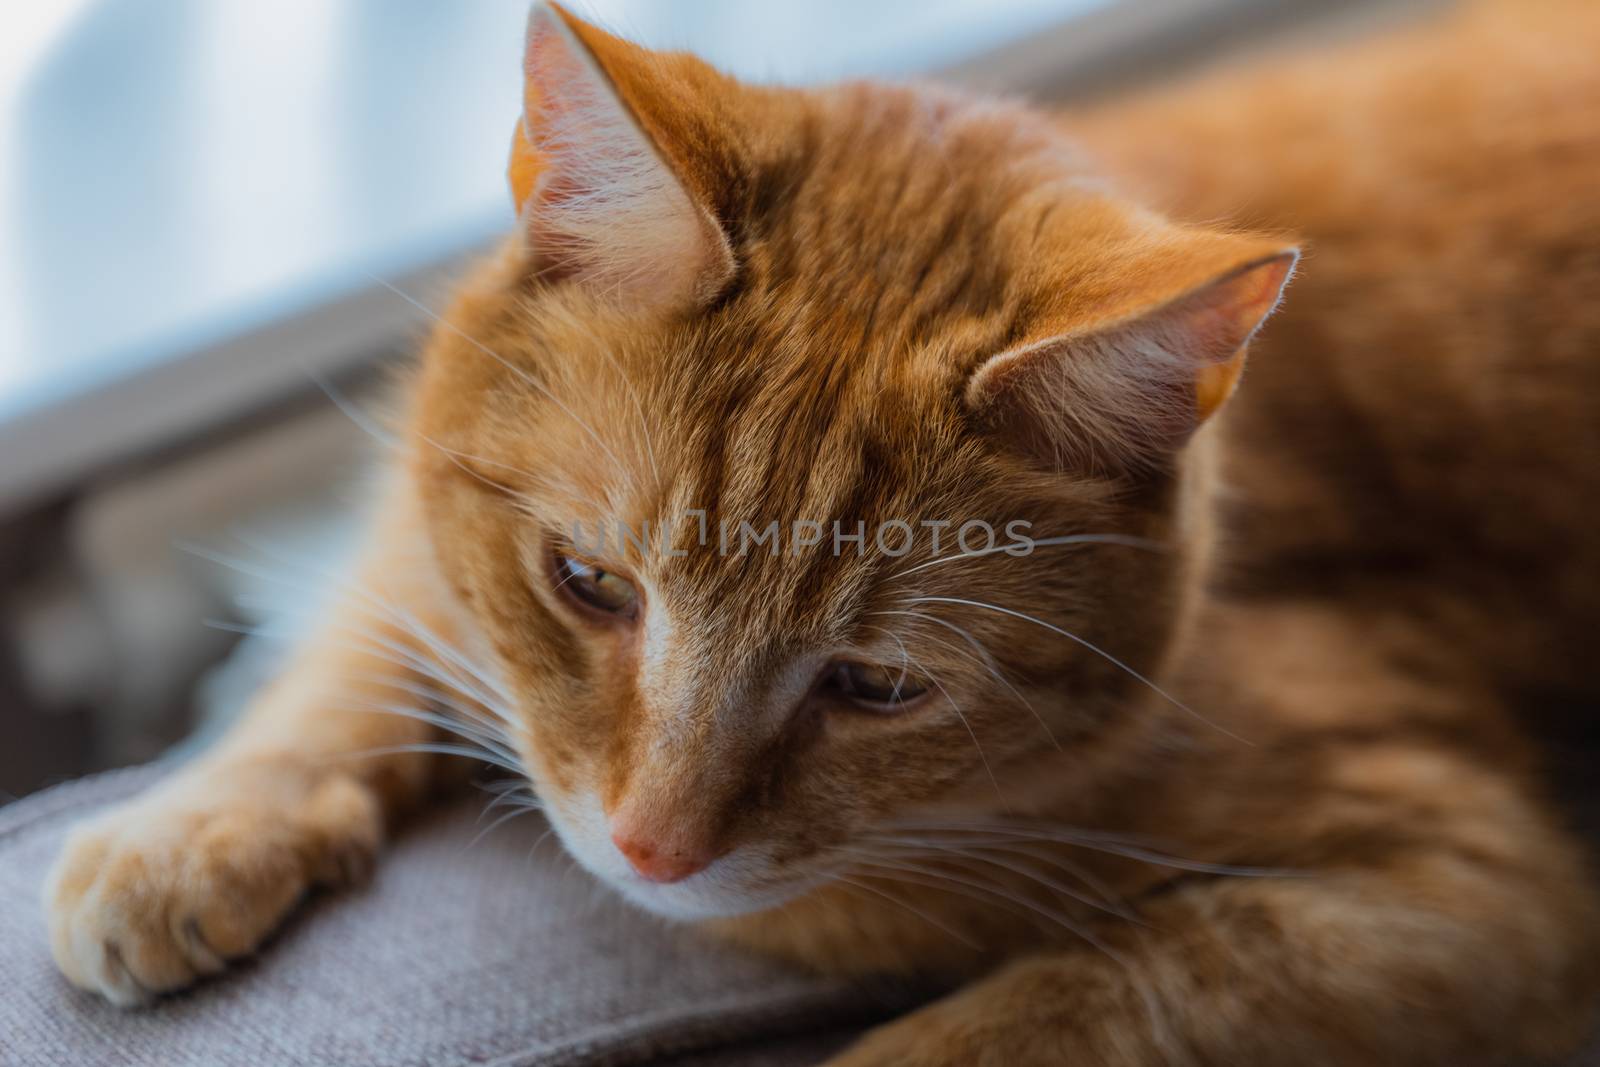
{"points": [[178, 175]]}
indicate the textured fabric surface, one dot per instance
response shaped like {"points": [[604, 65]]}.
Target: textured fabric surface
{"points": [[492, 953]]}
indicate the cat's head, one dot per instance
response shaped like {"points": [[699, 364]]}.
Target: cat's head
{"points": [[812, 456]]}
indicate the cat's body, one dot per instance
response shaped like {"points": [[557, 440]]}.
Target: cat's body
{"points": [[1422, 415], [1233, 774]]}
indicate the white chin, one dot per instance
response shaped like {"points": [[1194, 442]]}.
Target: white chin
{"points": [[702, 896], [718, 892]]}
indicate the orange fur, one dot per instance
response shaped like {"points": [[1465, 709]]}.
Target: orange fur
{"points": [[902, 304]]}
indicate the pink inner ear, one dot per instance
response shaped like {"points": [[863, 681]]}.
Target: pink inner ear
{"points": [[1223, 316], [552, 118], [1124, 395], [600, 205]]}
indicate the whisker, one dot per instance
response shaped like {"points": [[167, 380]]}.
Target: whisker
{"points": [[495, 726], [534, 848], [908, 658], [1003, 893], [457, 457], [1152, 1003], [1095, 841], [434, 671], [380, 647], [510, 799], [442, 722], [1092, 647], [460, 460], [440, 748], [918, 912], [504, 818], [371, 644], [1111, 900], [987, 658], [351, 411], [1117, 909], [493, 741], [504, 785], [935, 880], [484, 733], [518, 789], [374, 605], [521, 374], [398, 615], [1043, 542]]}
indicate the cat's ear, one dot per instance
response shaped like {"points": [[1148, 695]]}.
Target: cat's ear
{"points": [[1123, 384], [598, 198]]}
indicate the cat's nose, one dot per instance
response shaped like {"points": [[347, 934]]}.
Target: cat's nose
{"points": [[658, 863]]}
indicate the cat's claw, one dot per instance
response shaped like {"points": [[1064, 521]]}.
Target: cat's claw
{"points": [[153, 896]]}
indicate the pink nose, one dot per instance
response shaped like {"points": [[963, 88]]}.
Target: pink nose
{"points": [[659, 864]]}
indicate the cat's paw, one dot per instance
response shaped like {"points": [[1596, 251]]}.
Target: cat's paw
{"points": [[169, 888]]}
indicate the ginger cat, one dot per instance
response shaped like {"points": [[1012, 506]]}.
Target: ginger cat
{"points": [[1194, 740]]}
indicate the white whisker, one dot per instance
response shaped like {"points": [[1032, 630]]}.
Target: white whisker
{"points": [[979, 853], [940, 880], [379, 647], [443, 722], [1125, 846], [1092, 647], [918, 912], [1041, 542], [521, 374], [495, 726], [437, 748], [377, 606], [908, 658], [988, 660], [503, 819], [396, 614], [1002, 893]]}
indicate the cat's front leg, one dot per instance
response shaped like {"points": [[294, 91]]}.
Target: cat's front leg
{"points": [[171, 886], [1473, 944], [168, 887]]}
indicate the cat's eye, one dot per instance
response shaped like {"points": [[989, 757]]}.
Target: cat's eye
{"points": [[874, 686], [595, 587]]}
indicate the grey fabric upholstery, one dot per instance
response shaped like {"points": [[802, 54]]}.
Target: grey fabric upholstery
{"points": [[493, 953], [489, 953]]}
